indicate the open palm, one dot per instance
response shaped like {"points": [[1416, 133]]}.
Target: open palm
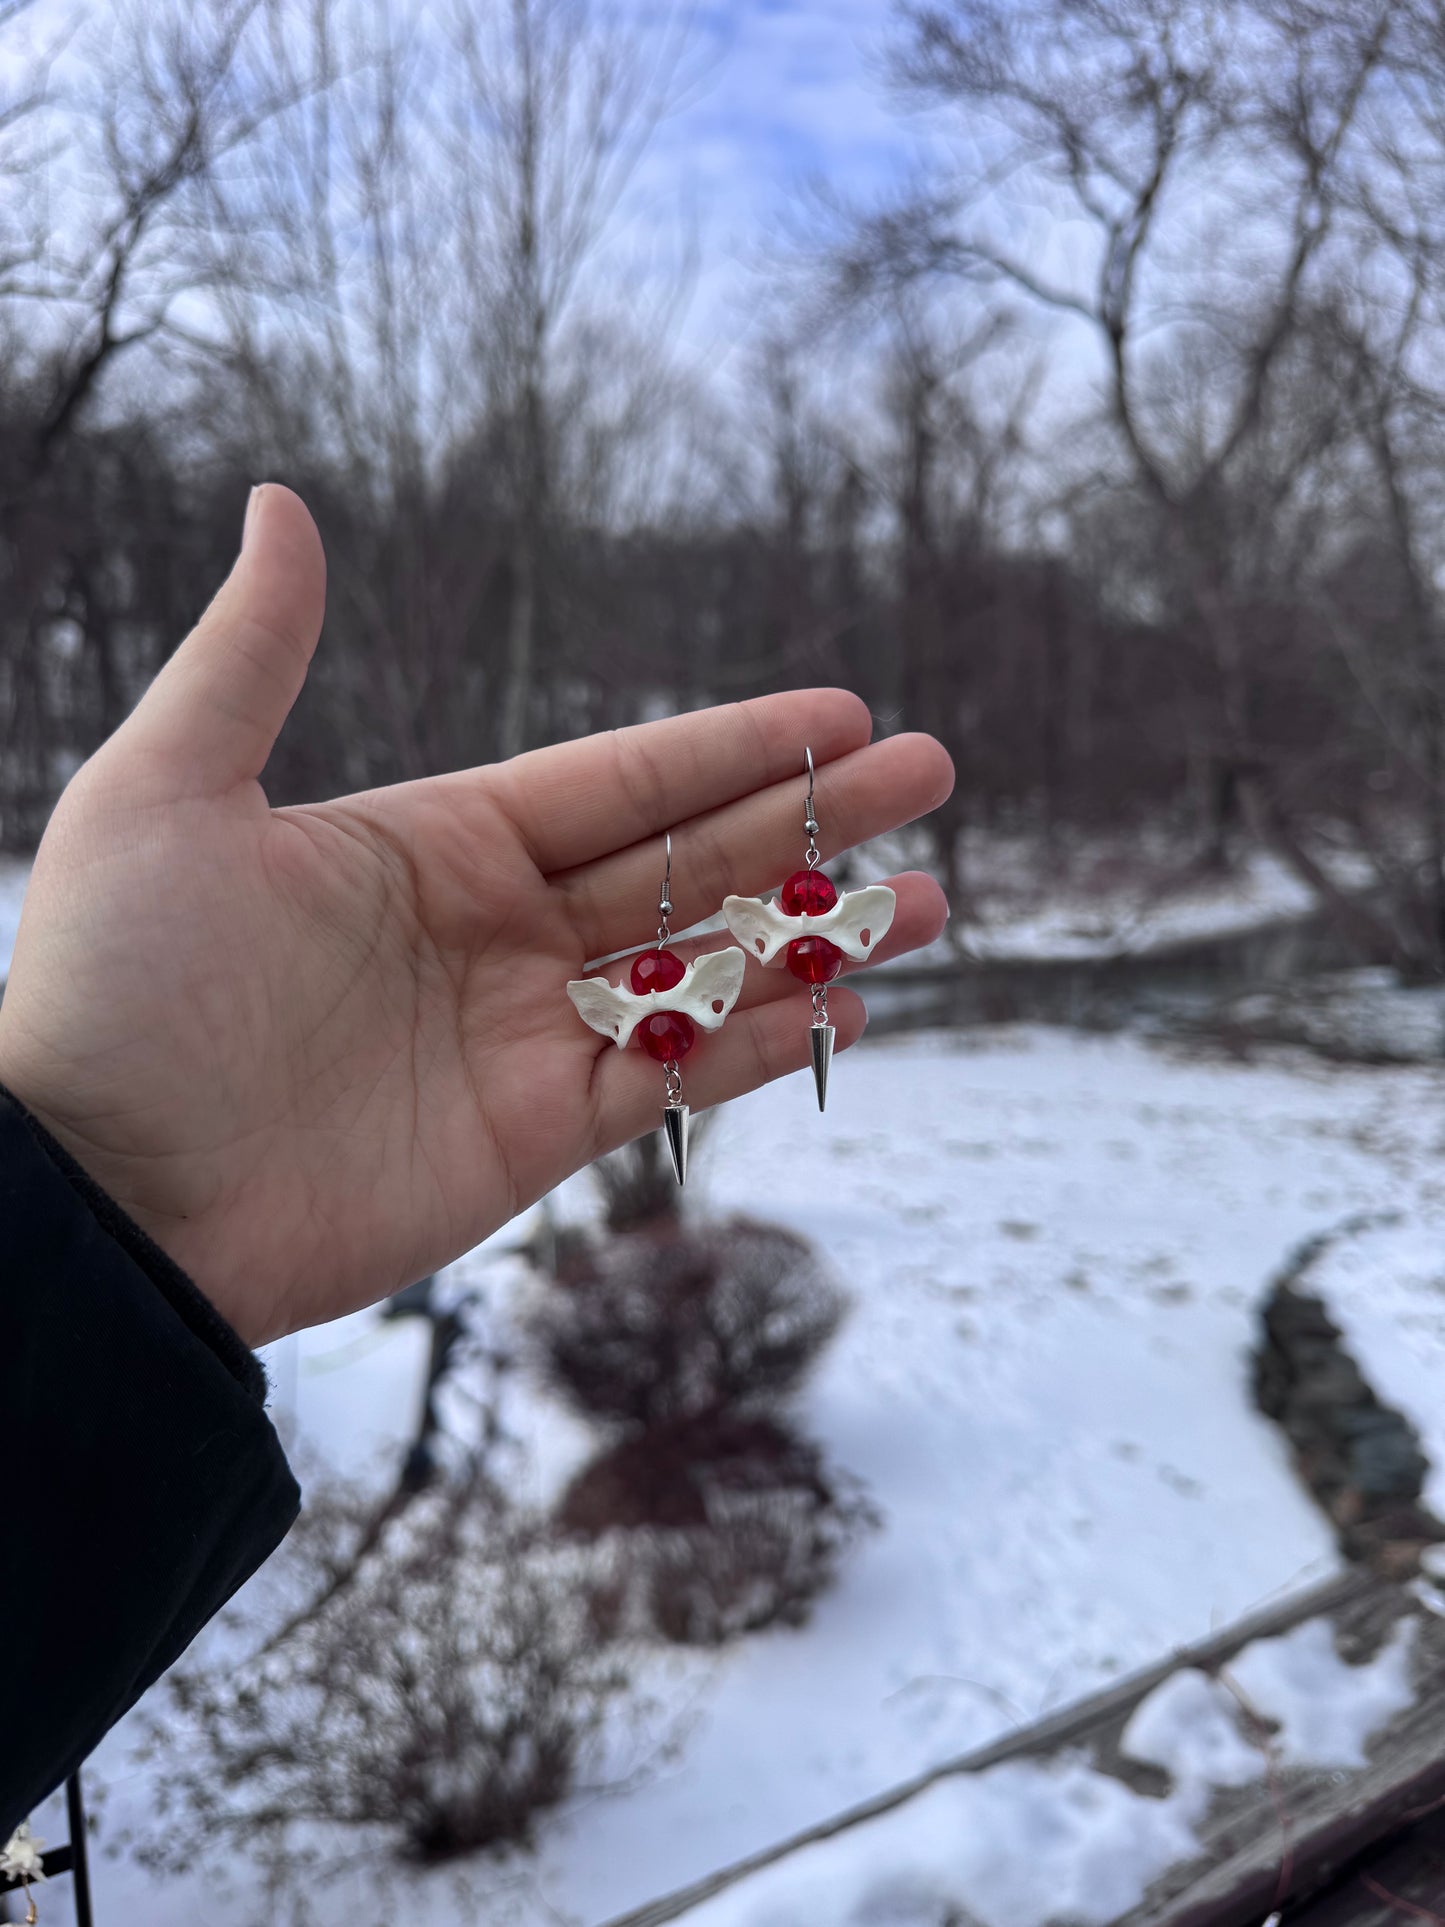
{"points": [[316, 1052]]}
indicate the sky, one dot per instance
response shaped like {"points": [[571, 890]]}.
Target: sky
{"points": [[775, 98], [780, 91], [777, 95], [794, 94], [796, 91], [790, 93]]}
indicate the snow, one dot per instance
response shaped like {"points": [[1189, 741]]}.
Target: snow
{"points": [[1110, 902], [1363, 1014], [1190, 1726], [1385, 1288], [1026, 1844], [349, 1392], [1088, 894], [1056, 1244], [1326, 1709]]}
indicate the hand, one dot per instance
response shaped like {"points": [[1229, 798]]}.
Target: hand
{"points": [[317, 1052]]}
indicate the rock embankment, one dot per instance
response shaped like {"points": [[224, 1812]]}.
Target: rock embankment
{"points": [[1360, 1459]]}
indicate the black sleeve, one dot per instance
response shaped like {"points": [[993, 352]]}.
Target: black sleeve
{"points": [[143, 1481]]}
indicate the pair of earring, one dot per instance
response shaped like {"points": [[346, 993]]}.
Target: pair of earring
{"points": [[810, 931]]}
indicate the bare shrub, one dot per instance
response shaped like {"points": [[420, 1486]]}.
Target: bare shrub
{"points": [[673, 1323], [715, 1527], [761, 1560], [673, 1475], [715, 1516], [637, 1183], [444, 1694]]}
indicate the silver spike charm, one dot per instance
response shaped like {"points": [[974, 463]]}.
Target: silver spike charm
{"points": [[667, 1000], [821, 1036], [674, 1125]]}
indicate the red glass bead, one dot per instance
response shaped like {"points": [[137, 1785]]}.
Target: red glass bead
{"points": [[668, 1035], [808, 893], [813, 959], [657, 970]]}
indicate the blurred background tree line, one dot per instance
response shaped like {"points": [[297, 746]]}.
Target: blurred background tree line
{"points": [[1106, 445]]}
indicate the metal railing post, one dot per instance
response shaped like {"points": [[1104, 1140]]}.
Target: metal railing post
{"points": [[80, 1864]]}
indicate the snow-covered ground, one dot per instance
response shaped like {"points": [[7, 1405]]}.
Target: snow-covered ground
{"points": [[1105, 903], [1095, 895], [1056, 1244], [1091, 895], [1367, 1015], [1031, 1842]]}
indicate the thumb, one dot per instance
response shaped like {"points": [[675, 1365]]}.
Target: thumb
{"points": [[212, 715]]}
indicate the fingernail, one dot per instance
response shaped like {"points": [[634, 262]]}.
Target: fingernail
{"points": [[251, 501]]}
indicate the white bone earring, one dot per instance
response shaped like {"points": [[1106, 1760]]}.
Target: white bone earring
{"points": [[811, 930], [667, 1001]]}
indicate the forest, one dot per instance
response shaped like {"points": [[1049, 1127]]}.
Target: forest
{"points": [[1104, 444]]}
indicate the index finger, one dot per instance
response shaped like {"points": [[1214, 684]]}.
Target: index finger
{"points": [[579, 801]]}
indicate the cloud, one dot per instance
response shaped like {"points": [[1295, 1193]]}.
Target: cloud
{"points": [[790, 92]]}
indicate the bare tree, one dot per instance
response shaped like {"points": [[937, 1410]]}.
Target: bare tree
{"points": [[100, 263], [564, 102], [426, 308], [22, 96], [1259, 188], [1147, 120]]}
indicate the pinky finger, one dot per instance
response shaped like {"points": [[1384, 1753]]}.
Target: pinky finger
{"points": [[753, 1048]]}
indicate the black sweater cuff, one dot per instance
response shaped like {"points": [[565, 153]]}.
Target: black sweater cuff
{"points": [[192, 1307], [143, 1480]]}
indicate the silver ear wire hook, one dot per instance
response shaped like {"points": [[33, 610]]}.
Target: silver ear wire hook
{"points": [[810, 818], [664, 899]]}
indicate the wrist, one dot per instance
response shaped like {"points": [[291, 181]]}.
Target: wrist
{"points": [[96, 1176]]}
